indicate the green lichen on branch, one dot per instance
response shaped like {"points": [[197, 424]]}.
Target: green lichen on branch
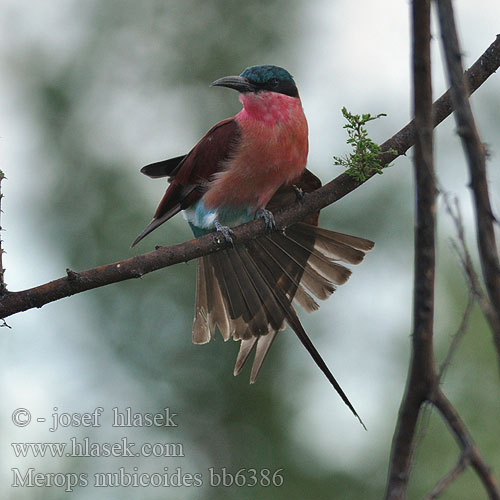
{"points": [[365, 159]]}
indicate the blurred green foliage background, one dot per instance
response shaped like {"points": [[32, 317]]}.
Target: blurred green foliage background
{"points": [[94, 90]]}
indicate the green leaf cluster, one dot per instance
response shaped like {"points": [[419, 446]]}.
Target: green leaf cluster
{"points": [[364, 160]]}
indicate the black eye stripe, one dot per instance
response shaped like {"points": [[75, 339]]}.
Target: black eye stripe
{"points": [[276, 85]]}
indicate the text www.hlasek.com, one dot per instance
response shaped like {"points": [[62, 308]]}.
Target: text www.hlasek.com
{"points": [[87, 448]]}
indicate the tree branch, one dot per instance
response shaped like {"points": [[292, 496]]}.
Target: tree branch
{"points": [[423, 383], [466, 443], [468, 269], [475, 76], [422, 376], [460, 466], [3, 288], [476, 158], [14, 302]]}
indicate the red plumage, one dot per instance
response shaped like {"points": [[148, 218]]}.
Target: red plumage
{"points": [[244, 164]]}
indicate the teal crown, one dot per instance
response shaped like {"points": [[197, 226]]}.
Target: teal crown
{"points": [[265, 73]]}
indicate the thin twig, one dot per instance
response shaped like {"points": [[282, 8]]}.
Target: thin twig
{"points": [[463, 254], [14, 302], [475, 76], [456, 338], [469, 271], [421, 377], [466, 261], [445, 363], [476, 158], [473, 282], [466, 443], [454, 473]]}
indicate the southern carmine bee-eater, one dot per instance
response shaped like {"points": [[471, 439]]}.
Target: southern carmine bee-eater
{"points": [[245, 167]]}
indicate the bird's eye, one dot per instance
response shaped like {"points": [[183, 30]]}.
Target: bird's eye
{"points": [[273, 82]]}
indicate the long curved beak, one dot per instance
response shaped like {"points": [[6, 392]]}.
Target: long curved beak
{"points": [[234, 82]]}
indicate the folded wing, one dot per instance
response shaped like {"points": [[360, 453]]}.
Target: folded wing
{"points": [[189, 174]]}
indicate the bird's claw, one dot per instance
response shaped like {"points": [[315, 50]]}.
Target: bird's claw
{"points": [[226, 231], [299, 193], [268, 217]]}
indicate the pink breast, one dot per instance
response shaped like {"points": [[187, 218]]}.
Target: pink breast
{"points": [[272, 152]]}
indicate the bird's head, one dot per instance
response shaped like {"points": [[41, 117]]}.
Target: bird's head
{"points": [[261, 78]]}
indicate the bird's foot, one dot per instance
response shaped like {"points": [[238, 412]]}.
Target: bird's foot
{"points": [[268, 217], [226, 231], [299, 193]]}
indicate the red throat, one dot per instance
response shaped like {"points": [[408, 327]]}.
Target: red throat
{"points": [[268, 107]]}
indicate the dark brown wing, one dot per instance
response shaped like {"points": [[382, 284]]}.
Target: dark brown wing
{"points": [[189, 175], [164, 168]]}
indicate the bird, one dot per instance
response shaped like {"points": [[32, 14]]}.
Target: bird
{"points": [[247, 167]]}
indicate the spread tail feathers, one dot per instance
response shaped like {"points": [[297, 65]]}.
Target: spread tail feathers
{"points": [[248, 291]]}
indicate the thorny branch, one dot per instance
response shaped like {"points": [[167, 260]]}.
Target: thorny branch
{"points": [[476, 158], [466, 443], [14, 302], [460, 466], [2, 270], [423, 382], [465, 259], [3, 288], [457, 337], [422, 375]]}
